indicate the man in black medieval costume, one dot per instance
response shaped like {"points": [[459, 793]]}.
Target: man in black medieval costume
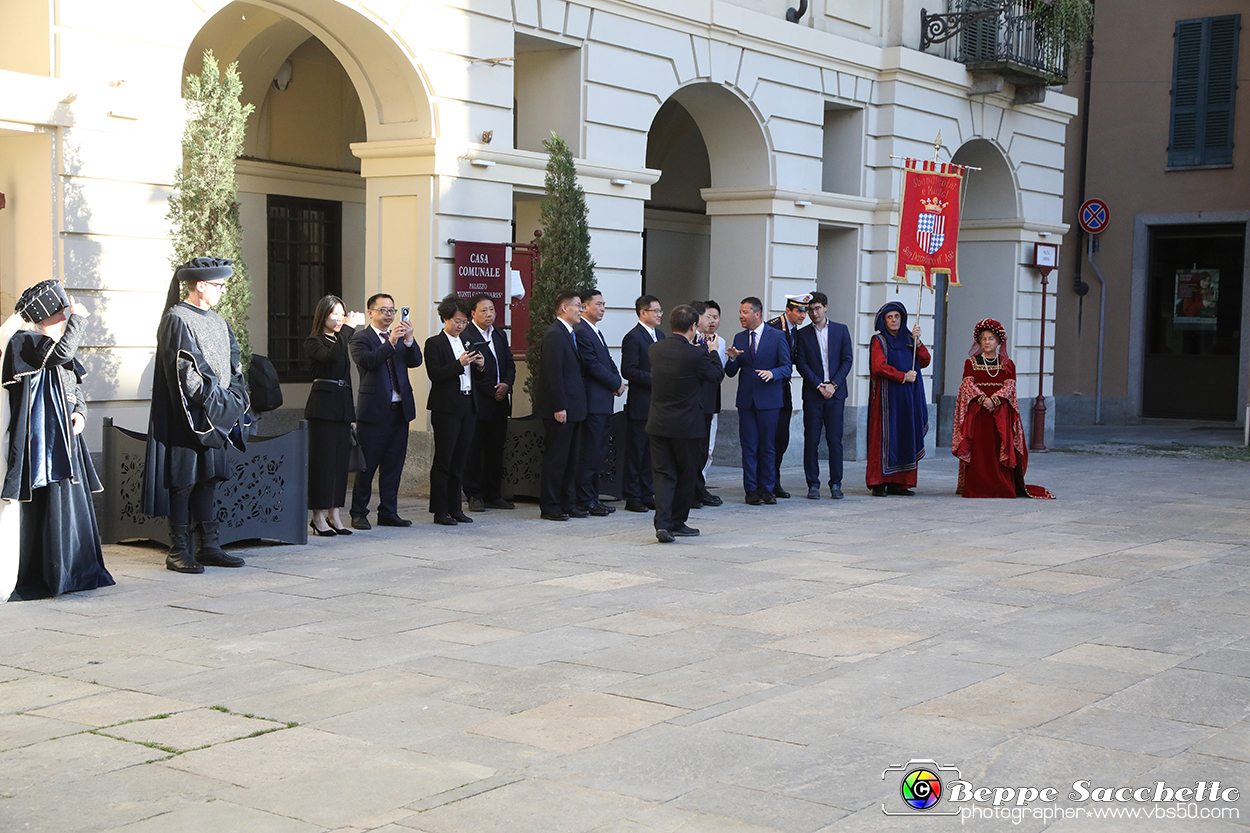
{"points": [[199, 404], [50, 543]]}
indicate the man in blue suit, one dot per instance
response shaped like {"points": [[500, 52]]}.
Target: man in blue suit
{"points": [[824, 360], [560, 399], [762, 354], [603, 384], [383, 351]]}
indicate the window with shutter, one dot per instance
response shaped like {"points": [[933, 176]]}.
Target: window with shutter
{"points": [[1204, 90]]}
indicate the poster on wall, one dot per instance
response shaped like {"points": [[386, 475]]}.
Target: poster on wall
{"points": [[1197, 298]]}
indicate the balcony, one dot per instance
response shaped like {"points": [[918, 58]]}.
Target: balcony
{"points": [[1000, 40]]}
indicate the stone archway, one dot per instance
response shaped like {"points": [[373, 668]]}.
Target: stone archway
{"points": [[709, 144], [988, 255]]}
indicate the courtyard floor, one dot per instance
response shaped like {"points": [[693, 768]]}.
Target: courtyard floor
{"points": [[777, 673]]}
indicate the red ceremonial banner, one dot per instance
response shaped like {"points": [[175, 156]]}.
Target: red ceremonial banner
{"points": [[481, 269], [928, 229]]}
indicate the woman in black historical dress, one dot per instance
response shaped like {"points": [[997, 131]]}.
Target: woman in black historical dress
{"points": [[330, 413], [47, 468], [199, 404]]}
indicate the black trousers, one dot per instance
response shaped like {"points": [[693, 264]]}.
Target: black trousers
{"points": [[328, 444], [192, 503], [782, 440], [385, 446], [675, 464], [636, 483], [556, 493], [452, 435], [826, 416], [483, 474], [596, 432]]}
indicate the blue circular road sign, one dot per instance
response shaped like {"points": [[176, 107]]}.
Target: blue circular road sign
{"points": [[1094, 216]]}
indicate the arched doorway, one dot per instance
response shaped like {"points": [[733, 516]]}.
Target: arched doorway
{"points": [[709, 144], [321, 78], [988, 256]]}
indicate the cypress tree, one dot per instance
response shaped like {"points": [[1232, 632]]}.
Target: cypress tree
{"points": [[204, 208], [563, 249]]}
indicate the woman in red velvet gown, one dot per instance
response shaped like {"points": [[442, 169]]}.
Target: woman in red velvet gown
{"points": [[988, 437]]}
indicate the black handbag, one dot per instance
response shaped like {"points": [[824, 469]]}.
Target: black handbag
{"points": [[355, 457]]}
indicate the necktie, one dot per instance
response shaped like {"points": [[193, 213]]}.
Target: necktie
{"points": [[752, 350], [390, 365], [601, 338]]}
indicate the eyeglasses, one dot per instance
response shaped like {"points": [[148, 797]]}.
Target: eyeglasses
{"points": [[384, 310], [654, 309], [216, 284]]}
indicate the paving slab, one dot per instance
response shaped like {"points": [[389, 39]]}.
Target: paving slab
{"points": [[520, 675]]}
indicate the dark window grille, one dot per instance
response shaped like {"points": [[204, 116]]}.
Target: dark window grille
{"points": [[1204, 90], [305, 263]]}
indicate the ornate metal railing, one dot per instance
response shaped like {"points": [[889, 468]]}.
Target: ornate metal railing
{"points": [[1009, 36]]}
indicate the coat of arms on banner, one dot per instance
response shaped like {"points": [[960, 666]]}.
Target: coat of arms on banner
{"points": [[929, 222], [931, 227]]}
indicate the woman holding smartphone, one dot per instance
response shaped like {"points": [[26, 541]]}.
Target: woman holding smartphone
{"points": [[330, 413], [453, 413]]}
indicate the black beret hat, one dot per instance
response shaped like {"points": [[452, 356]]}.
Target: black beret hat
{"points": [[204, 269]]}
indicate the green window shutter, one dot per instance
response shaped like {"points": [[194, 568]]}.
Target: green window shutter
{"points": [[1221, 92], [1204, 89], [1186, 89]]}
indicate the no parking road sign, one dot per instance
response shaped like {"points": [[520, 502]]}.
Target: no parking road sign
{"points": [[1094, 216]]}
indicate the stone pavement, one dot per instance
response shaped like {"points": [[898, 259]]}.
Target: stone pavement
{"points": [[520, 675]]}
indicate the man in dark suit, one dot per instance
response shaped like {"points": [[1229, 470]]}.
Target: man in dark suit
{"points": [[603, 384], [681, 373], [824, 360], [636, 482], [453, 410], [492, 389], [789, 323], [763, 355], [705, 336], [383, 353], [560, 398]]}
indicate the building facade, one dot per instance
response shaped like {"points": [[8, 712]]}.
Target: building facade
{"points": [[725, 152], [1168, 150]]}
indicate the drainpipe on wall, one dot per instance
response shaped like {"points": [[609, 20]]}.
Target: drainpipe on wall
{"points": [[1078, 286]]}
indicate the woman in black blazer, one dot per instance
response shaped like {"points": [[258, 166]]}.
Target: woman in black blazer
{"points": [[453, 413], [330, 413]]}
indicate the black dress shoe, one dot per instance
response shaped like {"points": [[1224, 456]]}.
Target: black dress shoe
{"points": [[649, 502], [835, 492], [339, 530], [610, 509], [445, 520], [754, 499], [598, 510], [709, 499], [768, 498], [697, 504], [324, 533], [781, 493], [577, 513], [361, 523], [498, 503], [554, 516], [476, 504], [813, 493], [462, 518], [393, 521], [879, 491], [895, 489], [684, 531], [635, 506], [664, 536]]}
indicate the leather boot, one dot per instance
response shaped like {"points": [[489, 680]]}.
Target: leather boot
{"points": [[180, 559], [210, 552]]}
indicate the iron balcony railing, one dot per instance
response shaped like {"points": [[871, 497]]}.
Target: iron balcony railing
{"points": [[1012, 37]]}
